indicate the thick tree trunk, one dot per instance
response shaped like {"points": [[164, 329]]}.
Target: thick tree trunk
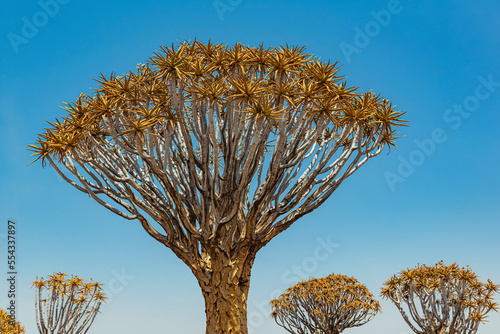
{"points": [[226, 309], [225, 288]]}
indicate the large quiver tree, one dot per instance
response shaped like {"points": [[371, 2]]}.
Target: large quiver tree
{"points": [[216, 150]]}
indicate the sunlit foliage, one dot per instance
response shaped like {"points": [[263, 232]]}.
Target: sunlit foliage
{"points": [[441, 299], [7, 326], [326, 305], [179, 83], [66, 305]]}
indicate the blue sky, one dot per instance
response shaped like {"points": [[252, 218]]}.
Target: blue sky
{"points": [[436, 198]]}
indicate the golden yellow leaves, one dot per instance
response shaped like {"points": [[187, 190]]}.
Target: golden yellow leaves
{"points": [[450, 285], [287, 59], [259, 57], [245, 89], [335, 299], [56, 141], [263, 108], [209, 89], [324, 74], [449, 296], [269, 84], [138, 128], [66, 304], [7, 326], [57, 285], [170, 61], [42, 150]]}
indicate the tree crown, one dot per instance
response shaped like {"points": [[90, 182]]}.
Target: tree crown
{"points": [[7, 326], [262, 84], [69, 305], [328, 304], [448, 296]]}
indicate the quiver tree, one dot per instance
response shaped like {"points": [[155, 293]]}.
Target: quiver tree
{"points": [[326, 305], [441, 299], [66, 306], [9, 326], [216, 150]]}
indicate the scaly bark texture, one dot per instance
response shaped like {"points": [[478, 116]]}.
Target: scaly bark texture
{"points": [[226, 308], [217, 149], [224, 279], [225, 290]]}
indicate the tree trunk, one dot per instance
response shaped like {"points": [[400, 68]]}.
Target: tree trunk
{"points": [[225, 288], [226, 309]]}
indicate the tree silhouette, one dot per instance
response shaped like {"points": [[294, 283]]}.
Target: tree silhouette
{"points": [[441, 299], [326, 305], [68, 306], [216, 150], [8, 326]]}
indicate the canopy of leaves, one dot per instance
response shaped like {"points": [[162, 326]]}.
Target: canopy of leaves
{"points": [[7, 326], [218, 144], [66, 305], [324, 305], [179, 82]]}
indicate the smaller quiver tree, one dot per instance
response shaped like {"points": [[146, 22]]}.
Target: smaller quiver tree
{"points": [[9, 326], [325, 305], [441, 299], [69, 306]]}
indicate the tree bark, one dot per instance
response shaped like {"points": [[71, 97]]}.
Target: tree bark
{"points": [[226, 309], [225, 288]]}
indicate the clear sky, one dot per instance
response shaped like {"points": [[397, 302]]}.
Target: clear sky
{"points": [[436, 198]]}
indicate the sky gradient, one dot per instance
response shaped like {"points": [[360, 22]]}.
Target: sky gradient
{"points": [[435, 198]]}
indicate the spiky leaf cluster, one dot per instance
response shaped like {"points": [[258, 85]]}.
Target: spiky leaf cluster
{"points": [[8, 326], [325, 305], [441, 299], [66, 305], [177, 83]]}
